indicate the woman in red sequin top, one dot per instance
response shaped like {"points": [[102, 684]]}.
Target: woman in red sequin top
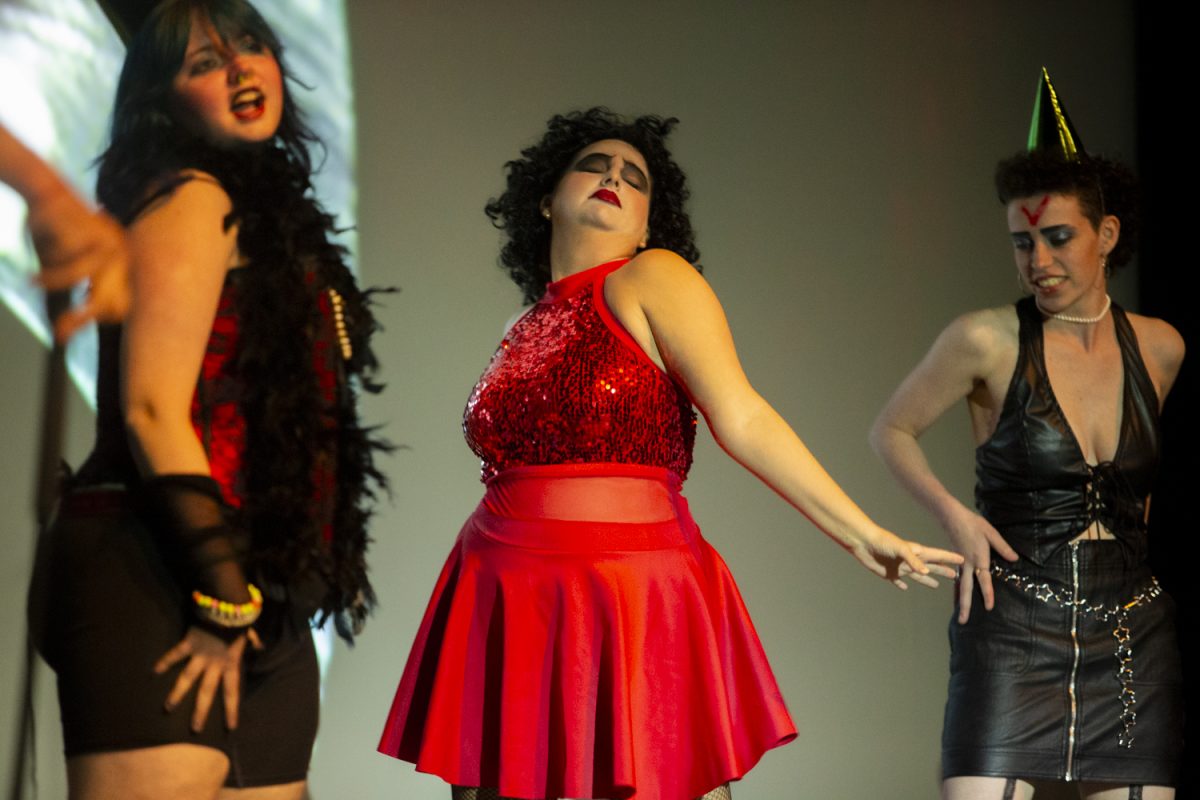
{"points": [[584, 640]]}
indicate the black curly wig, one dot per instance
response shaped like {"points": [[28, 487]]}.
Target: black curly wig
{"points": [[526, 254], [1102, 186]]}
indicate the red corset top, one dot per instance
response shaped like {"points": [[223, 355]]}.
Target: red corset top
{"points": [[569, 385], [216, 404], [216, 410]]}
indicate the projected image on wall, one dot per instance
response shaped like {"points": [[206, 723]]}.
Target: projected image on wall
{"points": [[61, 59]]}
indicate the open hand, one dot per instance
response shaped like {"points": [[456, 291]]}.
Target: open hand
{"points": [[76, 243], [211, 663], [975, 538], [894, 559]]}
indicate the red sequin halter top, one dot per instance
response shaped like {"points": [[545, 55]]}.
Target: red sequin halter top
{"points": [[569, 385]]}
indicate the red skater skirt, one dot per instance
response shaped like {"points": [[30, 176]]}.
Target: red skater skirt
{"points": [[584, 641]]}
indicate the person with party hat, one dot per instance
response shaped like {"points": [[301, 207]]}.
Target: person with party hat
{"points": [[1064, 664]]}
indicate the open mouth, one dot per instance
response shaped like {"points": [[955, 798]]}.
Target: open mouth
{"points": [[248, 104]]}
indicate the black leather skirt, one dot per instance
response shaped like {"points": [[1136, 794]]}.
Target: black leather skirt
{"points": [[1061, 680]]}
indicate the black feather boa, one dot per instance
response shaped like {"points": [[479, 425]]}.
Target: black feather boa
{"points": [[284, 235]]}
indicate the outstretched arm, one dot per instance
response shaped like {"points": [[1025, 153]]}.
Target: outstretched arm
{"points": [[956, 367], [73, 241], [683, 328]]}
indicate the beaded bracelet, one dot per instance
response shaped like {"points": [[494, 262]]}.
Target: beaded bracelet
{"points": [[226, 614]]}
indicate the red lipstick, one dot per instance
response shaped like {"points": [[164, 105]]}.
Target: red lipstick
{"points": [[250, 114], [248, 105], [608, 196]]}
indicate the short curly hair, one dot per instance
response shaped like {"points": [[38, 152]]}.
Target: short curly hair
{"points": [[1101, 185], [526, 254]]}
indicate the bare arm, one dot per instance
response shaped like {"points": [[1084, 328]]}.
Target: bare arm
{"points": [[73, 241], [684, 328], [959, 365], [181, 254], [1162, 350]]}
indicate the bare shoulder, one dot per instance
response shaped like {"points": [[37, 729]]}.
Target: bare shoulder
{"points": [[981, 337], [189, 194], [201, 188], [657, 270], [667, 307], [1161, 345], [657, 266], [185, 232]]}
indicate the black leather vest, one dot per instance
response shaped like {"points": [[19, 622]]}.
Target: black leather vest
{"points": [[1033, 483]]}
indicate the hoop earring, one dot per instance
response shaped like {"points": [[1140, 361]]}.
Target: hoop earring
{"points": [[1021, 285]]}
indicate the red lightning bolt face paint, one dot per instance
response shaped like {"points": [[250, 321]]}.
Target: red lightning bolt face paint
{"points": [[1036, 214]]}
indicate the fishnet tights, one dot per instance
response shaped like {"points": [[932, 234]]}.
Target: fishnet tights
{"points": [[487, 793]]}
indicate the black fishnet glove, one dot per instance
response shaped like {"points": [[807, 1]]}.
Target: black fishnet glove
{"points": [[187, 513]]}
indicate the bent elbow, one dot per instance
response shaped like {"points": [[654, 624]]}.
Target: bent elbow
{"points": [[882, 436], [876, 436], [144, 419], [139, 418], [729, 426]]}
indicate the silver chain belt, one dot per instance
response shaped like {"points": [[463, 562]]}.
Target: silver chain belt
{"points": [[1118, 614]]}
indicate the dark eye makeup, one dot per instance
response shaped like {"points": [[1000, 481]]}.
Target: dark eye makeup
{"points": [[204, 61], [209, 57], [593, 162], [634, 176], [248, 44], [1058, 235], [599, 162]]}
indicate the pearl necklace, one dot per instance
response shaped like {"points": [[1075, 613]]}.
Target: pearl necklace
{"points": [[1080, 320]]}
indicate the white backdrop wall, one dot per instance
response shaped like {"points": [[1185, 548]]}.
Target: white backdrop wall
{"points": [[840, 158]]}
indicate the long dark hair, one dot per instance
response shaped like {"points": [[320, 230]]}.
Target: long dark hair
{"points": [[286, 238], [526, 254]]}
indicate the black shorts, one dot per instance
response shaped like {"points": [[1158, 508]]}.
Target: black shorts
{"points": [[104, 607]]}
